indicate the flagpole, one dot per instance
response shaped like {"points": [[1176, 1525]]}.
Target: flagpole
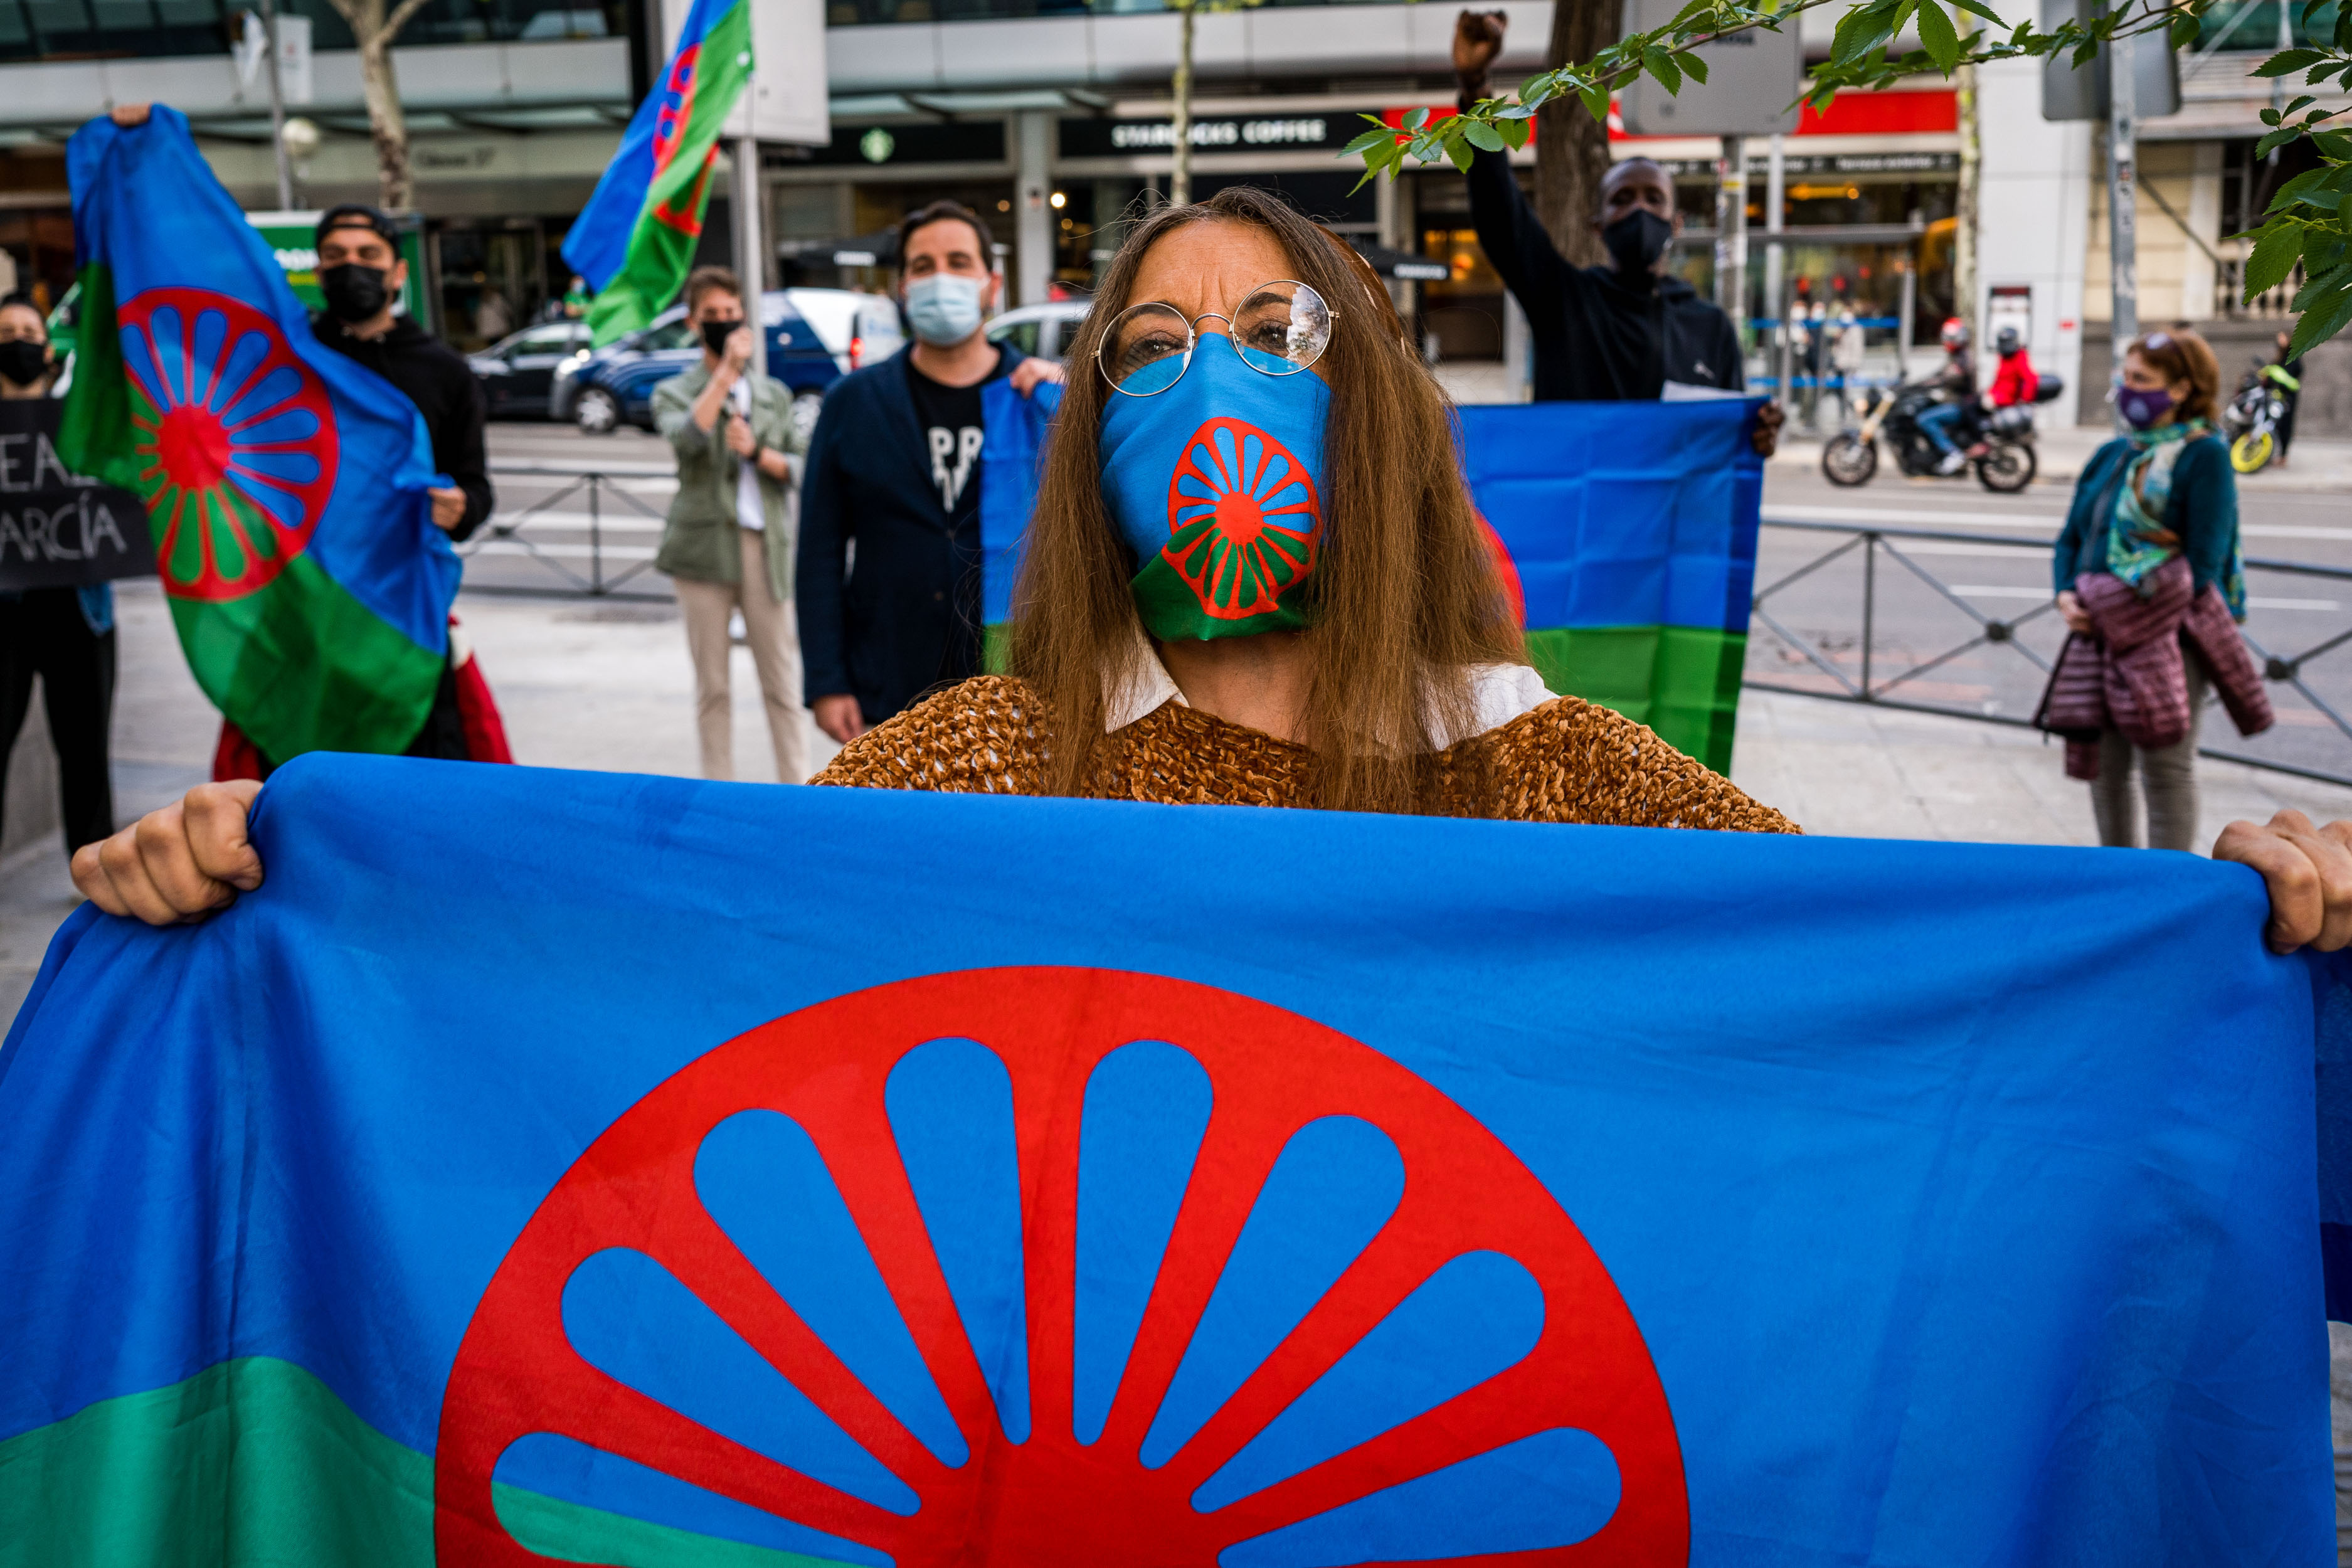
{"points": [[749, 261], [277, 112]]}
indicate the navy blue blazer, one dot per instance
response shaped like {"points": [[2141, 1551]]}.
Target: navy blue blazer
{"points": [[897, 626]]}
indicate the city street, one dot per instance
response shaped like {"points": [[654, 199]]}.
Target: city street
{"points": [[602, 681], [1992, 565]]}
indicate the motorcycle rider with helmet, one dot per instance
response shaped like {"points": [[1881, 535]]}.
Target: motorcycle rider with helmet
{"points": [[1955, 383], [2015, 384]]}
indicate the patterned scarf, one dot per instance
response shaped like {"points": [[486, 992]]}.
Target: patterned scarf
{"points": [[2137, 540]]}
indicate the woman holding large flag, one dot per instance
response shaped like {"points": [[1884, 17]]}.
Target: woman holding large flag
{"points": [[1254, 577]]}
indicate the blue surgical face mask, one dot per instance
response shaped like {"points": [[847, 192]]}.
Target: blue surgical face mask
{"points": [[1216, 485], [943, 310]]}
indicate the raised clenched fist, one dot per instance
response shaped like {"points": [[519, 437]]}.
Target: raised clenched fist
{"points": [[1478, 39]]}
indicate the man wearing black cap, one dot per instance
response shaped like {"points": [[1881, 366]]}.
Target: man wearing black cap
{"points": [[362, 271]]}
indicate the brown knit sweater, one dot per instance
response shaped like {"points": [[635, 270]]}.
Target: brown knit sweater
{"points": [[1567, 761]]}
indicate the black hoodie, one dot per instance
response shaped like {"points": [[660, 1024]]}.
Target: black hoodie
{"points": [[438, 381], [1596, 339]]}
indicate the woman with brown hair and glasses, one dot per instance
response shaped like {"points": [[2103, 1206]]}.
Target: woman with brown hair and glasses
{"points": [[1254, 577]]}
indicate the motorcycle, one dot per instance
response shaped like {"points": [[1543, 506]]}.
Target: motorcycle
{"points": [[2251, 420], [1851, 456]]}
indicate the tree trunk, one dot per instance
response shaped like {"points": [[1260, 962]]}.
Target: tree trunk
{"points": [[1180, 181], [1969, 205], [1571, 147], [373, 32], [387, 126]]}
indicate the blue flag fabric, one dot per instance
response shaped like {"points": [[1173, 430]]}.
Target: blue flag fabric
{"points": [[1612, 514], [1622, 514], [1013, 445], [1625, 534], [530, 1166], [332, 455]]}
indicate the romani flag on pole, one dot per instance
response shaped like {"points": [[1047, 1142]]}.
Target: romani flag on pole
{"points": [[283, 483], [636, 241]]}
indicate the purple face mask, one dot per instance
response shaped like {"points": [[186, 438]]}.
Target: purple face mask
{"points": [[2142, 409]]}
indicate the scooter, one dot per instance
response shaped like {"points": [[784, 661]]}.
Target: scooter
{"points": [[2252, 417], [1851, 456]]}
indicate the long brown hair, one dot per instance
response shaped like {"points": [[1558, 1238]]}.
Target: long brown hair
{"points": [[1405, 595]]}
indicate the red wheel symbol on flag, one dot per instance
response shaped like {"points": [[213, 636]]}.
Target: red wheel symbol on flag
{"points": [[1245, 518], [1172, 1276], [235, 438]]}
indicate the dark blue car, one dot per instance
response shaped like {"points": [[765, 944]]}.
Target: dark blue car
{"points": [[815, 337]]}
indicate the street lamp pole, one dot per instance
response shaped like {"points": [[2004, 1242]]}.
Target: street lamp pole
{"points": [[2123, 197], [278, 110]]}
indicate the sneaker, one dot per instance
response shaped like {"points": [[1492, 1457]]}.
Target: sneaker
{"points": [[1953, 463]]}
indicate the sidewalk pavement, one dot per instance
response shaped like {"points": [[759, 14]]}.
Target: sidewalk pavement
{"points": [[584, 684]]}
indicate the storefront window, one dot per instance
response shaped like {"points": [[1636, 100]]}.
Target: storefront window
{"points": [[493, 281]]}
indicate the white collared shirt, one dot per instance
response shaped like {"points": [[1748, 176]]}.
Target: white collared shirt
{"points": [[1498, 692]]}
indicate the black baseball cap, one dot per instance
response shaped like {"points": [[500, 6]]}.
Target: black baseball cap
{"points": [[358, 214]]}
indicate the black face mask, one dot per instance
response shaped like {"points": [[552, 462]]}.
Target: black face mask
{"points": [[24, 362], [354, 293], [715, 333], [1636, 240]]}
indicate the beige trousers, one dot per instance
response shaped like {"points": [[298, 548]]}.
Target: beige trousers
{"points": [[775, 642]]}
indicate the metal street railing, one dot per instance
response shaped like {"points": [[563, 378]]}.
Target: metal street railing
{"points": [[1848, 652], [548, 532]]}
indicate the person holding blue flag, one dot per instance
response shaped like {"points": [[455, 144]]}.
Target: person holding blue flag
{"points": [[362, 273], [300, 528], [894, 465], [1189, 629]]}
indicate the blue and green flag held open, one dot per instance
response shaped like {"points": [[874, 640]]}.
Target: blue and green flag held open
{"points": [[285, 485], [635, 241], [527, 1171], [1625, 533]]}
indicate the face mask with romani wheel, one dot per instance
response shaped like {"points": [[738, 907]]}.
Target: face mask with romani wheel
{"points": [[1212, 460]]}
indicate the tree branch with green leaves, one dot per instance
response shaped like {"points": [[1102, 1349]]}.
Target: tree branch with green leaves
{"points": [[2306, 222]]}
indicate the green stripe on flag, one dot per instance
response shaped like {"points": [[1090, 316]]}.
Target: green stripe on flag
{"points": [[1682, 681], [254, 1463], [302, 665]]}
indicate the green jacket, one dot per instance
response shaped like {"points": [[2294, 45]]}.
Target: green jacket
{"points": [[700, 540]]}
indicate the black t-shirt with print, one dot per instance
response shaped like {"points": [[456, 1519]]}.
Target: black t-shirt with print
{"points": [[949, 421], [949, 417]]}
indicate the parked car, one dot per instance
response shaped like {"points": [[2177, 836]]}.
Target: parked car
{"points": [[516, 375], [1044, 330], [815, 337]]}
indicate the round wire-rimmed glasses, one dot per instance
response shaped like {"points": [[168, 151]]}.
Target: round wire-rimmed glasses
{"points": [[1278, 328]]}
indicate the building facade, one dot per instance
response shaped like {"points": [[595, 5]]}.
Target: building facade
{"points": [[1053, 119], [514, 107]]}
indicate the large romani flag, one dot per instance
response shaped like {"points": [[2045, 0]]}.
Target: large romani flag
{"points": [[636, 240], [525, 1173], [283, 483], [1625, 532]]}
